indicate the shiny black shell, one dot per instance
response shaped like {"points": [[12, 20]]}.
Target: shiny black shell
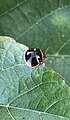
{"points": [[33, 57]]}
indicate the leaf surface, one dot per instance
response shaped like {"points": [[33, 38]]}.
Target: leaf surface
{"points": [[29, 94]]}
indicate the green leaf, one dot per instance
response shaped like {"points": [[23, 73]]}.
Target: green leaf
{"points": [[44, 24], [29, 93]]}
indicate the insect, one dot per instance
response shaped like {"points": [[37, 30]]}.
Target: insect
{"points": [[33, 57]]}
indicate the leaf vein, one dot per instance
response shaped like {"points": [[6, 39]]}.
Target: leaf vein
{"points": [[54, 103], [39, 112], [29, 91], [11, 9], [10, 114], [63, 45], [40, 20]]}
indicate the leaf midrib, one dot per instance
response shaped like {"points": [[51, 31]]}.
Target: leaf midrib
{"points": [[30, 110]]}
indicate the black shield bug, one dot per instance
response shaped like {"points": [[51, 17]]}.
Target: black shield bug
{"points": [[33, 57]]}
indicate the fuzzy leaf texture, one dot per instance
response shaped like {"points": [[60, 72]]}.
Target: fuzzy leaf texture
{"points": [[29, 93]]}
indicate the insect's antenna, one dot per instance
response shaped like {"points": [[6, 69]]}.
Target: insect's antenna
{"points": [[47, 49], [45, 53]]}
